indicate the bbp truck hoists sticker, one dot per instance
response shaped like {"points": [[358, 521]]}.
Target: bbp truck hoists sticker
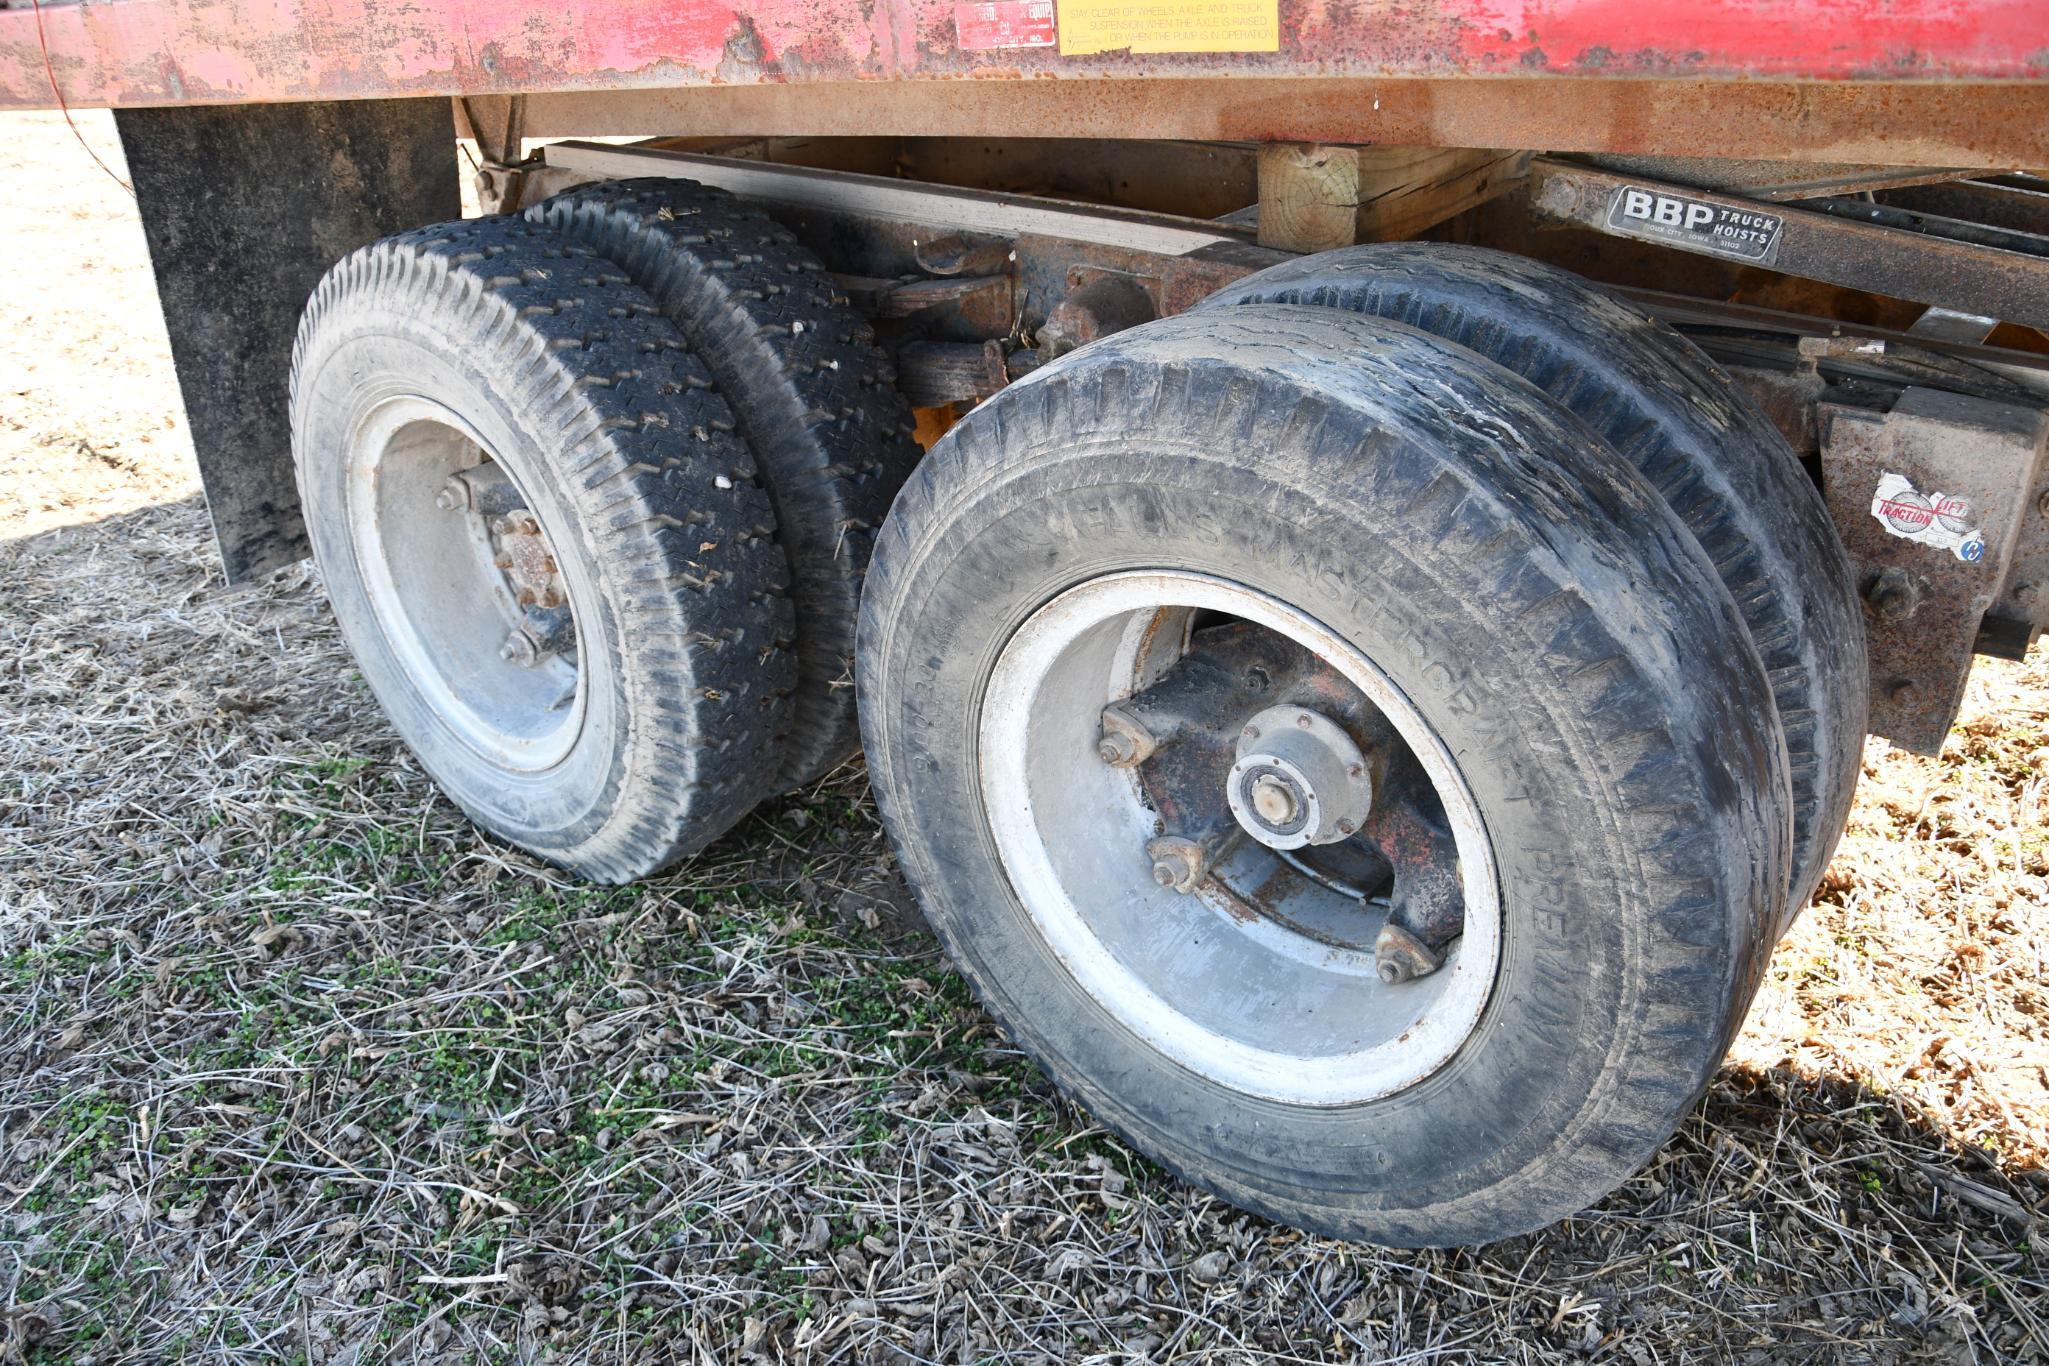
{"points": [[1695, 224], [1931, 518]]}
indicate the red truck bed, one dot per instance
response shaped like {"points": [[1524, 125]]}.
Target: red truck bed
{"points": [[1906, 81]]}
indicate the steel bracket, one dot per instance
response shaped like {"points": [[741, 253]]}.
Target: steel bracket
{"points": [[1930, 499]]}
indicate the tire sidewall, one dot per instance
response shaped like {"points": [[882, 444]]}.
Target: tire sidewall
{"points": [[1555, 1044]]}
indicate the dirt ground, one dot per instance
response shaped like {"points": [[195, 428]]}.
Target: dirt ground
{"points": [[295, 1065]]}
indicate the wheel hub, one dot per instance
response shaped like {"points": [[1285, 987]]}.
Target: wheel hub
{"points": [[1299, 779], [1171, 858], [468, 592], [528, 561], [1246, 734]]}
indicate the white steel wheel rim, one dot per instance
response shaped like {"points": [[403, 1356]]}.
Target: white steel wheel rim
{"points": [[1069, 829], [440, 606]]}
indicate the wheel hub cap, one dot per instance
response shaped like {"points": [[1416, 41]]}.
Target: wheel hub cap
{"points": [[1299, 779]]}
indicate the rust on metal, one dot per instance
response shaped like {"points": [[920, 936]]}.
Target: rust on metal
{"points": [[1930, 499], [1901, 81], [2024, 605], [2006, 284], [1400, 956], [1967, 124], [528, 562], [1098, 303]]}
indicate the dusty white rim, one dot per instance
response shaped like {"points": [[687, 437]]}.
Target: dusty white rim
{"points": [[442, 608], [1068, 829]]}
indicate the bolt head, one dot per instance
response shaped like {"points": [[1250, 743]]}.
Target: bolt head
{"points": [[1392, 972], [519, 649], [451, 499], [1346, 828], [1303, 722], [1252, 732], [1166, 873], [1114, 750]]}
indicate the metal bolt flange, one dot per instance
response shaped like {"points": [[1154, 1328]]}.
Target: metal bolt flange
{"points": [[1399, 956], [1178, 864], [1125, 742]]}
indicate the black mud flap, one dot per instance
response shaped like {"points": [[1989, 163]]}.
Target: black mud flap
{"points": [[245, 207]]}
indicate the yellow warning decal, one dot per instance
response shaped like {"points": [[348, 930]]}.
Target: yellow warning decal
{"points": [[1169, 26]]}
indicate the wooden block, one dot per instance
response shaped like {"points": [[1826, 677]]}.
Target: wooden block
{"points": [[1318, 196]]}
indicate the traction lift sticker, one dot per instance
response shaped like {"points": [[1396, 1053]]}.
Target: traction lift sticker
{"points": [[1930, 518], [1695, 225], [1004, 23], [1088, 26]]}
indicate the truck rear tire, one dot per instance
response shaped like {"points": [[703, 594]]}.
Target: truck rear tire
{"points": [[544, 546], [1717, 459], [815, 401], [1415, 528]]}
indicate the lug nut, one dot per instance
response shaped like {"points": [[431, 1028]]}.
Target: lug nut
{"points": [[519, 648], [1399, 956], [1178, 864], [1123, 740]]}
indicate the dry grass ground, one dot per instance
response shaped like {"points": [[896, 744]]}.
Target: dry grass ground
{"points": [[295, 1065]]}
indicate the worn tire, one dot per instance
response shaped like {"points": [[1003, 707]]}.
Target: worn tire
{"points": [[588, 398], [814, 398], [1705, 445], [1535, 600]]}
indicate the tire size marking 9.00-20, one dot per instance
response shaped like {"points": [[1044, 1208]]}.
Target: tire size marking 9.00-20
{"points": [[1695, 225]]}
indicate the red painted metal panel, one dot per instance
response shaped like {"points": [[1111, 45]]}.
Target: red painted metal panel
{"points": [[208, 51]]}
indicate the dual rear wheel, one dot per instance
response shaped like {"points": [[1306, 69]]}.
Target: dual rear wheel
{"points": [[1577, 816], [1363, 738], [593, 493]]}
